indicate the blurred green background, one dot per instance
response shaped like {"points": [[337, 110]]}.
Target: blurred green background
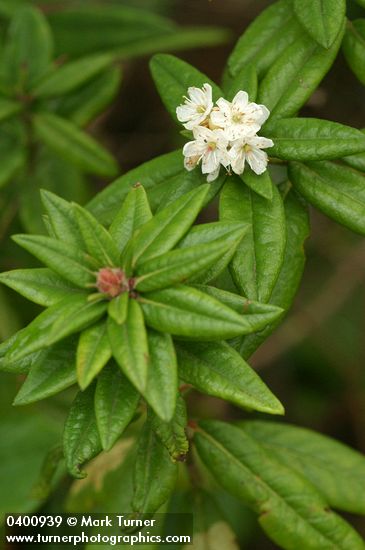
{"points": [[314, 362]]}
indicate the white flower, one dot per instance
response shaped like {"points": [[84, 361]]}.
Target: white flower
{"points": [[239, 118], [250, 149], [209, 147], [197, 106]]}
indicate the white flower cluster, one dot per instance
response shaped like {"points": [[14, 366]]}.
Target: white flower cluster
{"points": [[224, 134]]}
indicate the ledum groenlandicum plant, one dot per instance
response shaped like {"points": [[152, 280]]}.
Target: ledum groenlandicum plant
{"points": [[141, 304]]}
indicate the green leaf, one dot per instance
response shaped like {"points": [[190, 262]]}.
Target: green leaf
{"points": [[118, 308], [156, 176], [172, 434], [296, 74], [333, 468], [81, 440], [261, 184], [135, 211], [313, 139], [255, 314], [70, 315], [188, 312], [245, 79], [66, 260], [154, 474], [40, 285], [173, 77], [354, 47], [116, 402], [93, 353], [265, 39], [62, 219], [297, 231], [337, 191], [130, 346], [28, 49], [166, 228], [20, 366], [255, 266], [52, 173], [89, 101], [74, 145], [356, 161], [52, 372], [8, 108], [290, 510], [188, 181], [183, 264], [71, 76], [143, 32], [204, 234], [162, 382], [322, 19], [218, 370], [98, 242], [12, 150]]}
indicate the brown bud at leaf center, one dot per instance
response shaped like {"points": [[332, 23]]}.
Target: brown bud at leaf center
{"points": [[112, 281]]}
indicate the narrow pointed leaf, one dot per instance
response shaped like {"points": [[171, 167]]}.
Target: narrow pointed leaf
{"points": [[116, 402], [336, 190], [156, 176], [289, 509], [86, 103], [182, 265], [39, 285], [93, 353], [118, 308], [162, 381], [166, 228], [173, 77], [172, 434], [313, 139], [188, 312], [261, 184], [28, 49], [130, 346], [256, 315], [265, 38], [286, 286], [245, 79], [154, 474], [207, 233], [218, 370], [62, 219], [74, 145], [69, 262], [256, 264], [354, 47], [98, 242], [322, 19], [21, 366], [296, 74], [135, 211], [336, 470], [356, 161], [81, 440], [66, 317], [72, 75], [52, 372]]}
